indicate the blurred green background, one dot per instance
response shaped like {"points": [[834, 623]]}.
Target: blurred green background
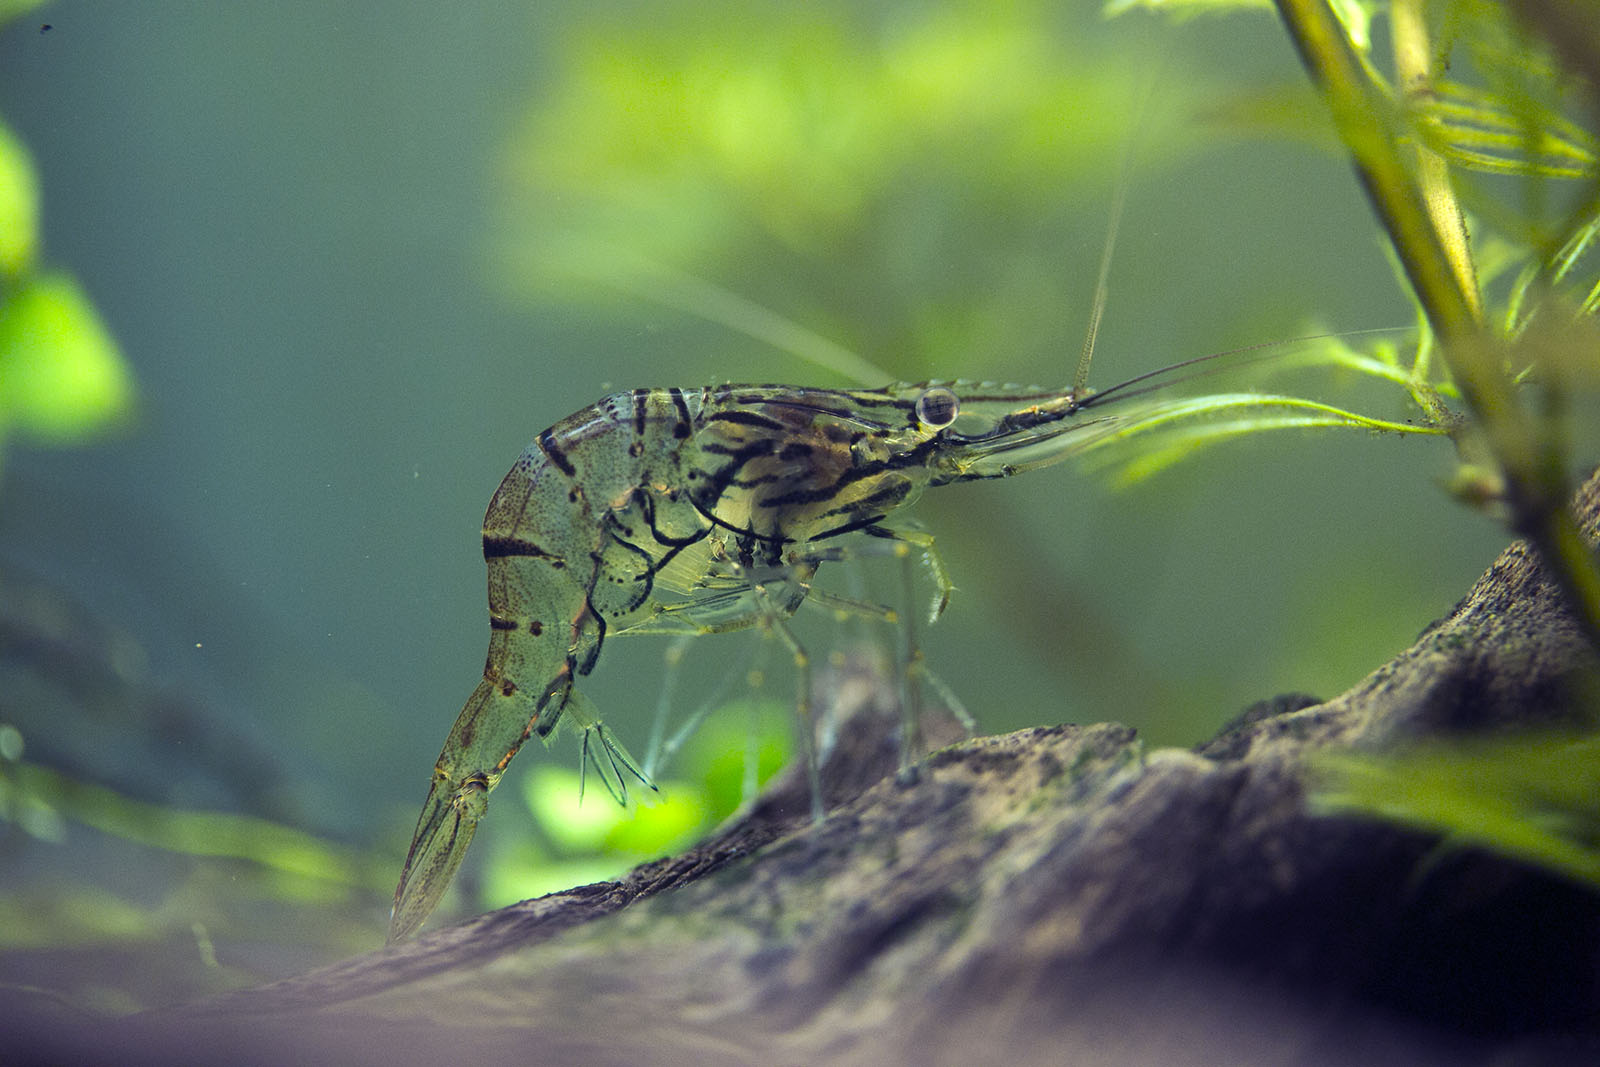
{"points": [[357, 255]]}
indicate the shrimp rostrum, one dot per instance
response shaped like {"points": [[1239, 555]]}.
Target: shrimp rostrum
{"points": [[690, 512]]}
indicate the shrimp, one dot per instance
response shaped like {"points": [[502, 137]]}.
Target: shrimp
{"points": [[672, 511]]}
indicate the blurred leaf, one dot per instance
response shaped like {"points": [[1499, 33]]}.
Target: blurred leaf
{"points": [[1505, 110], [1535, 799], [880, 179], [195, 833], [591, 840], [655, 829], [523, 872], [61, 375], [66, 915], [805, 125], [1287, 110], [1357, 15], [574, 824], [19, 206], [1113, 8], [10, 9], [595, 824], [738, 749]]}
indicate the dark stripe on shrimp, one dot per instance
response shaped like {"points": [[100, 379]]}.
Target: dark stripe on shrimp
{"points": [[882, 501], [547, 444], [647, 505], [685, 424], [641, 409], [916, 457], [719, 481], [500, 547], [749, 418], [849, 527]]}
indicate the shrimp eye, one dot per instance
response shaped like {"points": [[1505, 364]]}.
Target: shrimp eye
{"points": [[937, 408]]}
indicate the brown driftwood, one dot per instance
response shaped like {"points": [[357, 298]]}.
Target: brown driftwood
{"points": [[1054, 895]]}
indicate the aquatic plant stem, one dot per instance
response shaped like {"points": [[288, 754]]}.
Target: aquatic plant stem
{"points": [[1370, 126]]}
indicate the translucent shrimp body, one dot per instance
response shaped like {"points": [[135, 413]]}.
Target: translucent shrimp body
{"points": [[692, 512]]}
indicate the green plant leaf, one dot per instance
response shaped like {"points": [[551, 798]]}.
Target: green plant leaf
{"points": [[1536, 799], [663, 827], [1356, 15], [1177, 430], [1114, 8], [62, 376], [524, 873], [19, 206], [196, 833], [752, 168], [575, 824], [738, 750], [12, 9], [593, 824], [1478, 129]]}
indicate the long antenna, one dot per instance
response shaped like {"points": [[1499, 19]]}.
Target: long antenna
{"points": [[1097, 307], [1119, 196]]}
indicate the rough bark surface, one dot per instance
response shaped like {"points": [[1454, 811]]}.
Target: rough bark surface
{"points": [[1054, 895]]}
